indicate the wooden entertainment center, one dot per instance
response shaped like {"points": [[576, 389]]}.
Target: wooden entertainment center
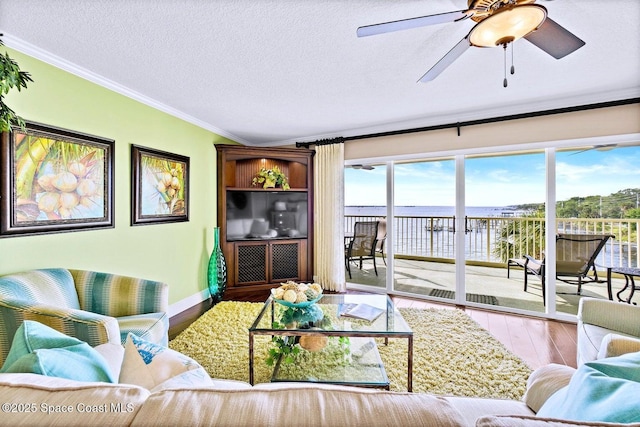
{"points": [[266, 234]]}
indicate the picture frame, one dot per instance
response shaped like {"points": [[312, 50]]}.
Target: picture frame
{"points": [[54, 180], [159, 186]]}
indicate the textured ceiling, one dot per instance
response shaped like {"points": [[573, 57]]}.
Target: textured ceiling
{"points": [[270, 72]]}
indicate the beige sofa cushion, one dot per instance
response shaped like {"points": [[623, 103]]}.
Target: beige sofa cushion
{"points": [[470, 408], [311, 405], [614, 345], [545, 381], [61, 402]]}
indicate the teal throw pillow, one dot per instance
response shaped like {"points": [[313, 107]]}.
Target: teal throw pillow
{"points": [[604, 390], [39, 349]]}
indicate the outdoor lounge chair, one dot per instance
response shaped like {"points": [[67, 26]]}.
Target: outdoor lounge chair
{"points": [[362, 245], [575, 260]]}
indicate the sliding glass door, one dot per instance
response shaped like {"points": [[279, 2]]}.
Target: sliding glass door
{"points": [[462, 227], [598, 194], [504, 216], [424, 224], [365, 202]]}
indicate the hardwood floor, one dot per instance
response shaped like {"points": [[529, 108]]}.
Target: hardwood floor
{"points": [[536, 341]]}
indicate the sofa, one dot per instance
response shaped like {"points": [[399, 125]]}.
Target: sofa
{"points": [[157, 386], [30, 399], [95, 307]]}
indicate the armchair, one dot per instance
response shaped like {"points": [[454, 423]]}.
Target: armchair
{"points": [[94, 307], [606, 328]]}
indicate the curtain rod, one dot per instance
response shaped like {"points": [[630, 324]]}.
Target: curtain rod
{"points": [[338, 140], [459, 125]]}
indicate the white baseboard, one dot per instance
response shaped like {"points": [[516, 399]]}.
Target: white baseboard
{"points": [[187, 303]]}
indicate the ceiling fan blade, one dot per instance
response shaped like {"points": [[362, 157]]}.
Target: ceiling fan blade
{"points": [[446, 60], [405, 24], [554, 39], [603, 147]]}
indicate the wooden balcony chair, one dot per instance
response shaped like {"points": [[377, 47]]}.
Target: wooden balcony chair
{"points": [[362, 246], [575, 260]]}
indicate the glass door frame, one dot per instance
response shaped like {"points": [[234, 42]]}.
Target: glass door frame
{"points": [[391, 231], [550, 212]]}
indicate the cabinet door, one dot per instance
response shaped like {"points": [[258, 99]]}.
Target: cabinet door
{"points": [[251, 262], [285, 261]]}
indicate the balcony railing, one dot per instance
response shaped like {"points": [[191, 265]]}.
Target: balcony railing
{"points": [[433, 237]]}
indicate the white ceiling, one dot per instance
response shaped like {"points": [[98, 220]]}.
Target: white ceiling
{"points": [[272, 72]]}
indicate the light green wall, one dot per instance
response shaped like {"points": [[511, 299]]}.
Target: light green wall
{"points": [[174, 253]]}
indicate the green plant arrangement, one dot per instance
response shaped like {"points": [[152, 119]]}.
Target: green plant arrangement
{"points": [[10, 77], [271, 178], [284, 347], [288, 348]]}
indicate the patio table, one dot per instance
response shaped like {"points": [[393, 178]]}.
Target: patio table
{"points": [[629, 273]]}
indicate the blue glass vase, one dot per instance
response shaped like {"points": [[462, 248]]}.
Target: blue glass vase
{"points": [[217, 272]]}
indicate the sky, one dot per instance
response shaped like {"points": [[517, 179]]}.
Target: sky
{"points": [[498, 181]]}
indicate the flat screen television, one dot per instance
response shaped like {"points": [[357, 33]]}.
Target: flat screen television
{"points": [[264, 215]]}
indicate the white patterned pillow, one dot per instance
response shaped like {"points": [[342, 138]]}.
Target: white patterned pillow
{"points": [[149, 365]]}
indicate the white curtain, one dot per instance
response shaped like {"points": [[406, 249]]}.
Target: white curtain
{"points": [[328, 211]]}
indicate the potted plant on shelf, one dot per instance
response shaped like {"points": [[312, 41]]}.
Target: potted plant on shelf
{"points": [[10, 76], [271, 178]]}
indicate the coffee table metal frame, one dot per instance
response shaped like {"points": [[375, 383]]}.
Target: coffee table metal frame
{"points": [[390, 324]]}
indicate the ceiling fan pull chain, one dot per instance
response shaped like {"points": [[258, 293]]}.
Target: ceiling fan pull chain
{"points": [[505, 83], [513, 68]]}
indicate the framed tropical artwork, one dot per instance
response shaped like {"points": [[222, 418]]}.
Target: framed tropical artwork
{"points": [[159, 186], [54, 180]]}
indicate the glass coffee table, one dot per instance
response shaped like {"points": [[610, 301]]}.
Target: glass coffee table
{"points": [[360, 364]]}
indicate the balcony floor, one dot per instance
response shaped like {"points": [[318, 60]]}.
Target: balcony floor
{"points": [[486, 284]]}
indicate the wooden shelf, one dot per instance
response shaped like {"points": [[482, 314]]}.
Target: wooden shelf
{"points": [[254, 265], [265, 189]]}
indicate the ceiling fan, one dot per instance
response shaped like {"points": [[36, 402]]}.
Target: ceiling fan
{"points": [[498, 23], [602, 147]]}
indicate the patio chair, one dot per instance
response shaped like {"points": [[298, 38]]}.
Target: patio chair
{"points": [[381, 238], [362, 246], [575, 260]]}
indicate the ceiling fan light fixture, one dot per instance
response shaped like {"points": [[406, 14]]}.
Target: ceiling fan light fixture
{"points": [[507, 25], [364, 167]]}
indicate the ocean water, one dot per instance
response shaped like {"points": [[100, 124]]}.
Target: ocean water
{"points": [[481, 211]]}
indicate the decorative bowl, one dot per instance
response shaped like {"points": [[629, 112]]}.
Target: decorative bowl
{"points": [[298, 304]]}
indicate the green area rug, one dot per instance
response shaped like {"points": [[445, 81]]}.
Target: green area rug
{"points": [[453, 355]]}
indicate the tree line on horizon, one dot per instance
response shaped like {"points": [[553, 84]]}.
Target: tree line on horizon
{"points": [[622, 204]]}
